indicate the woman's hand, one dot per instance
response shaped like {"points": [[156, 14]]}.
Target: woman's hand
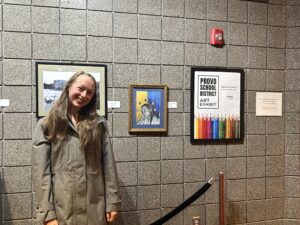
{"points": [[110, 216], [51, 222]]}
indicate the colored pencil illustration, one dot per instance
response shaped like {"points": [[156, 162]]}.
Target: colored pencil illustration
{"points": [[216, 127], [209, 128]]}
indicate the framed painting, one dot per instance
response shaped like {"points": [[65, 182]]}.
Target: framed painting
{"points": [[148, 108], [52, 77], [216, 104]]}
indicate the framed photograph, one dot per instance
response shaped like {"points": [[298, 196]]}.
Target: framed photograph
{"points": [[216, 104], [148, 108], [51, 79]]}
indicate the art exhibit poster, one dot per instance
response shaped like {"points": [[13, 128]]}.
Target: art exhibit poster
{"points": [[217, 104]]}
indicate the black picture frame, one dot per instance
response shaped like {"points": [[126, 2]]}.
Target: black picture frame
{"points": [[51, 77], [217, 106]]}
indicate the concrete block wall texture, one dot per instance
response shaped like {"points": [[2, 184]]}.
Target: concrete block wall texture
{"points": [[292, 118], [157, 41]]}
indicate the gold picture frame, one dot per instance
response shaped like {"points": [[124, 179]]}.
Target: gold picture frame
{"points": [[147, 108]]}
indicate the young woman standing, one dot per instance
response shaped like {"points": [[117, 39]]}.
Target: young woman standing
{"points": [[73, 166]]}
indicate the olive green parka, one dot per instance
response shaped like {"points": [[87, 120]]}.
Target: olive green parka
{"points": [[72, 185]]}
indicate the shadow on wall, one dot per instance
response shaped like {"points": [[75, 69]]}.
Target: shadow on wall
{"points": [[1, 184], [128, 213], [234, 213], [125, 218], [15, 205], [6, 207]]}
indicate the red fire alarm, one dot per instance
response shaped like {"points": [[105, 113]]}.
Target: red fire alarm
{"points": [[216, 37]]}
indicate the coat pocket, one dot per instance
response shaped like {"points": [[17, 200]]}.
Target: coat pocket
{"points": [[63, 197], [95, 185]]}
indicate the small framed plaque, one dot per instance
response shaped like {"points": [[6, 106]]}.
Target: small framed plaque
{"points": [[268, 104]]}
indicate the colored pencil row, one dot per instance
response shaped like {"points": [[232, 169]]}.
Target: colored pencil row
{"points": [[216, 127]]}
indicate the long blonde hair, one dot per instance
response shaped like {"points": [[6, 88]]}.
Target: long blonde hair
{"points": [[56, 123]]}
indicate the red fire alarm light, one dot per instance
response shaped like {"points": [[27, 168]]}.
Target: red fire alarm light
{"points": [[216, 37]]}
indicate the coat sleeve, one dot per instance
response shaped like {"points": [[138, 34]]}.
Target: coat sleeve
{"points": [[41, 157], [112, 196]]}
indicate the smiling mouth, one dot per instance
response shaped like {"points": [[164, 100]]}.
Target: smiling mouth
{"points": [[81, 99]]}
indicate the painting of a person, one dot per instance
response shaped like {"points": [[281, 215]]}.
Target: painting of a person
{"points": [[148, 115]]}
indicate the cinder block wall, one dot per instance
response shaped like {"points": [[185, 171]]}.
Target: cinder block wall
{"points": [[157, 41], [292, 117]]}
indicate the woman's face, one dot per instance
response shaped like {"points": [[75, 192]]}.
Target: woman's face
{"points": [[81, 92], [146, 110]]}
